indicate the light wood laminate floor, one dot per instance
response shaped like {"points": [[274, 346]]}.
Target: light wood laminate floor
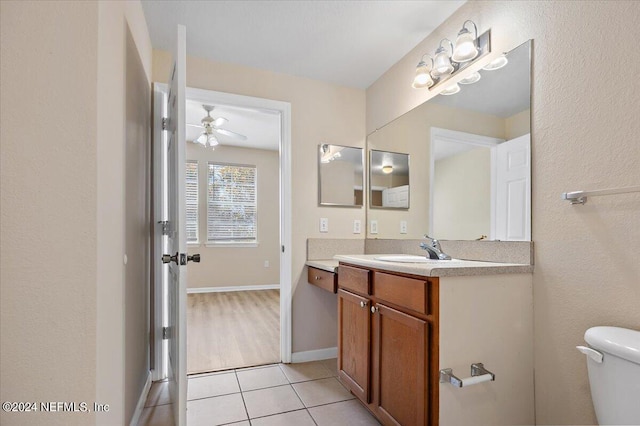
{"points": [[232, 330]]}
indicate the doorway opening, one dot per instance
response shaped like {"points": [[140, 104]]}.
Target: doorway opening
{"points": [[237, 203]]}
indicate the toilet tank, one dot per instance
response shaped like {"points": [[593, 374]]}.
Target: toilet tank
{"points": [[615, 382]]}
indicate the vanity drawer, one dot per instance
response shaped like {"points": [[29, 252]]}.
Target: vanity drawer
{"points": [[324, 279], [354, 279], [409, 293]]}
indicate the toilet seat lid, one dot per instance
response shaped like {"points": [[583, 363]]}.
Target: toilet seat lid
{"points": [[621, 342]]}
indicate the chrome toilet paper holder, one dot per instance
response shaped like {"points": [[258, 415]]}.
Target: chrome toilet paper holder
{"points": [[479, 374]]}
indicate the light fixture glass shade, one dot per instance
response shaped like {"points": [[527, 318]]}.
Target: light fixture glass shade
{"points": [[423, 78], [212, 141], [387, 169], [497, 63], [442, 63], [451, 90], [202, 139], [465, 49], [472, 78]]}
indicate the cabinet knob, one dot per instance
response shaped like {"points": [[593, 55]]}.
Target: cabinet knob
{"points": [[318, 278], [363, 304], [374, 309]]}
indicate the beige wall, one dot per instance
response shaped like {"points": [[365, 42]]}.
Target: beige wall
{"points": [[411, 134], [337, 182], [138, 201], [517, 125], [462, 196], [313, 104], [587, 271], [62, 272], [48, 207], [239, 266]]}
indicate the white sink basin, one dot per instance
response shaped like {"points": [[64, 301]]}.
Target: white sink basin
{"points": [[409, 258]]}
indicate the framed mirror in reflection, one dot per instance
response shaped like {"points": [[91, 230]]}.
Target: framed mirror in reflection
{"points": [[388, 180], [340, 176], [471, 155]]}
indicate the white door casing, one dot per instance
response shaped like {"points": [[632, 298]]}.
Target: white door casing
{"points": [[513, 190]]}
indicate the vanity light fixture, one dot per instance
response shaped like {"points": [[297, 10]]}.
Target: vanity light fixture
{"points": [[451, 90], [466, 48], [326, 156], [472, 78], [423, 73], [450, 60], [387, 169], [497, 63], [442, 63]]}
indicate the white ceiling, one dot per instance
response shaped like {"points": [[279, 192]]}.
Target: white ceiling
{"points": [[351, 43]]}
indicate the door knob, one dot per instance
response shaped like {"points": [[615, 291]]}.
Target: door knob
{"points": [[167, 258], [193, 258]]}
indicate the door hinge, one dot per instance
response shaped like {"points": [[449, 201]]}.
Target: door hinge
{"points": [[164, 224], [165, 333], [283, 249], [165, 123]]}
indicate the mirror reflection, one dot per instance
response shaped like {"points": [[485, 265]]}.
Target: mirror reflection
{"points": [[388, 180], [471, 173], [340, 175]]}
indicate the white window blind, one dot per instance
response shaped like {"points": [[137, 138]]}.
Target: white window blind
{"points": [[232, 211], [191, 195]]}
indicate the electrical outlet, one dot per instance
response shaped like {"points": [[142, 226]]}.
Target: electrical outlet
{"points": [[374, 227], [403, 226], [356, 226], [324, 224], [266, 263]]}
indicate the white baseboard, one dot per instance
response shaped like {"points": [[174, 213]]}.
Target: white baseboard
{"points": [[143, 398], [316, 355], [233, 288]]}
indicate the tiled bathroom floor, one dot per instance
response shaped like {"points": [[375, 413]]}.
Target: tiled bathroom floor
{"points": [[272, 395]]}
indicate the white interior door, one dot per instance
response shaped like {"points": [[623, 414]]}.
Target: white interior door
{"points": [[513, 190], [177, 245]]}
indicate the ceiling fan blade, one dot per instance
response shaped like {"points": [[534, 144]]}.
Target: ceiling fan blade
{"points": [[195, 125], [219, 121], [231, 134]]}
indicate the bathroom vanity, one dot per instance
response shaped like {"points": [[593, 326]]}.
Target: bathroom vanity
{"points": [[401, 323]]}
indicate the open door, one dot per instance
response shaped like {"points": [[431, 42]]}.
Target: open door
{"points": [[513, 189], [176, 245]]}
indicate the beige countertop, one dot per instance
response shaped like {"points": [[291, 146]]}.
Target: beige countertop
{"points": [[437, 268], [329, 265]]}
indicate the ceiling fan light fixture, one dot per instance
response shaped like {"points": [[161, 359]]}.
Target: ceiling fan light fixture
{"points": [[212, 141], [202, 139]]}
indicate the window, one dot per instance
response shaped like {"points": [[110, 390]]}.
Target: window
{"points": [[191, 195], [232, 214]]}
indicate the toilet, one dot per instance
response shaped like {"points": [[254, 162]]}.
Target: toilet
{"points": [[613, 362]]}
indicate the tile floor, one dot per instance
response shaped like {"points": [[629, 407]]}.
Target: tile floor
{"points": [[271, 395]]}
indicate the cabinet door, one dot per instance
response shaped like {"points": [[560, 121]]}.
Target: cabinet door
{"points": [[354, 326], [401, 366]]}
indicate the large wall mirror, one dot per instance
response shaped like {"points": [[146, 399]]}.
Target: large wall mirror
{"points": [[471, 160], [340, 176]]}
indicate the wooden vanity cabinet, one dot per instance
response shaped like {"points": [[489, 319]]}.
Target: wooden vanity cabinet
{"points": [[324, 279], [387, 352]]}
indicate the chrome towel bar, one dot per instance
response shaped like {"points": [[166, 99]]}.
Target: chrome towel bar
{"points": [[479, 374], [580, 197]]}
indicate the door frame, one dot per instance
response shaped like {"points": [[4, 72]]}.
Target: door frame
{"points": [[230, 99], [446, 135]]}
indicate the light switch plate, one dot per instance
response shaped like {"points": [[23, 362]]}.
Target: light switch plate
{"points": [[266, 263], [374, 227], [324, 224], [357, 226], [403, 226]]}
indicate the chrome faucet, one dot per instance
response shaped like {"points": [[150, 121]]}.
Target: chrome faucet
{"points": [[434, 249]]}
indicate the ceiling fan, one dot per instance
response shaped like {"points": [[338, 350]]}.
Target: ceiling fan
{"points": [[211, 126]]}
